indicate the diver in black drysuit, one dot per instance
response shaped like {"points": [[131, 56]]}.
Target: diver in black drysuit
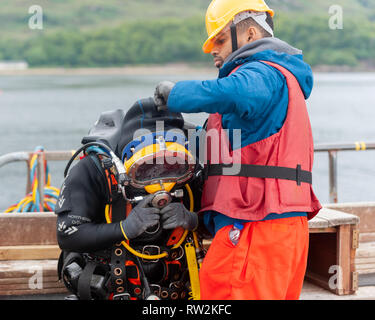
{"points": [[84, 235]]}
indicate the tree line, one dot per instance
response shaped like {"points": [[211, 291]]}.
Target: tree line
{"points": [[175, 40]]}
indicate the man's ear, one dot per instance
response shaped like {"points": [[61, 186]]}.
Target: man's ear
{"points": [[252, 34]]}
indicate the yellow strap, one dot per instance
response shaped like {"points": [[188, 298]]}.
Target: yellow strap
{"points": [[193, 270]]}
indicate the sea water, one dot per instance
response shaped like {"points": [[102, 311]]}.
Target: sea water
{"points": [[56, 111]]}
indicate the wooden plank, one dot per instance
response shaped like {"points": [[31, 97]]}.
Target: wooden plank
{"points": [[366, 249], [318, 222], [365, 266], [38, 228], [336, 218], [366, 236], [322, 230], [35, 291], [354, 244], [364, 210], [26, 286], [366, 260], [20, 273], [25, 268], [27, 277], [313, 292], [366, 271], [34, 252], [26, 280], [365, 254], [343, 259]]}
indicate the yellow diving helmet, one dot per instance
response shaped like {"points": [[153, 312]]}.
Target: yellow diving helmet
{"points": [[158, 161]]}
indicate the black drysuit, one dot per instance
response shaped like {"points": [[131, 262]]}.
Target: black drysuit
{"points": [[81, 225]]}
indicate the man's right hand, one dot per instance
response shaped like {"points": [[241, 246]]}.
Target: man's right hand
{"points": [[140, 218], [161, 94]]}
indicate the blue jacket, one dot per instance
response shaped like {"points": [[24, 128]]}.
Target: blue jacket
{"points": [[253, 99]]}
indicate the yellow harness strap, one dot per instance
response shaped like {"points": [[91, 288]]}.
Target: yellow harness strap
{"points": [[193, 270]]}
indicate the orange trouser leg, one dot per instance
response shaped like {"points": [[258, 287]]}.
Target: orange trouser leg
{"points": [[268, 263]]}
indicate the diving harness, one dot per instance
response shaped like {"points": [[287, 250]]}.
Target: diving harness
{"points": [[127, 263]]}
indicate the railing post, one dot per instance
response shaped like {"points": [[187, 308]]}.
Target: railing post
{"points": [[333, 176]]}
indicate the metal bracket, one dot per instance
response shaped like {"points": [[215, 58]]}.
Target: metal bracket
{"points": [[354, 281], [355, 238]]}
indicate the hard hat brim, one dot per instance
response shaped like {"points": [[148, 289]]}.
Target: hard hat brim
{"points": [[209, 44]]}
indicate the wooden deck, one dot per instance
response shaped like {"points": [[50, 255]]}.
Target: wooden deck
{"points": [[311, 291], [342, 235]]}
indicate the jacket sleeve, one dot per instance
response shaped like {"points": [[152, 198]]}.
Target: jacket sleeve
{"points": [[81, 226], [248, 92]]}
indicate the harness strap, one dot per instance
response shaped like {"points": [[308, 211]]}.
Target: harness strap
{"points": [[84, 282], [119, 281], [257, 171], [65, 259]]}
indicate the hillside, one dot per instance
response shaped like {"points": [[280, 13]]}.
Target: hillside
{"points": [[117, 32], [96, 14]]}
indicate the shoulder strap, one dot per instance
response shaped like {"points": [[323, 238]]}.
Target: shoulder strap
{"points": [[107, 176]]}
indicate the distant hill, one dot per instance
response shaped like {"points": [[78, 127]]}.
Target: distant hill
{"points": [[95, 14], [118, 32]]}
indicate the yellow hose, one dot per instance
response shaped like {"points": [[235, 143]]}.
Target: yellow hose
{"points": [[164, 254]]}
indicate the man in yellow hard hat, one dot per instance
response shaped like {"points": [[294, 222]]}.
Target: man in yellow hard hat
{"points": [[257, 213]]}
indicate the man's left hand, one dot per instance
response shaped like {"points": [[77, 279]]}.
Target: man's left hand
{"points": [[162, 91], [176, 215]]}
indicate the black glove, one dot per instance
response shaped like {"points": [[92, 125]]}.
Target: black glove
{"points": [[140, 218], [162, 91], [176, 215]]}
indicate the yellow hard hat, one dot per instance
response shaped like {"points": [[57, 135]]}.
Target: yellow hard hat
{"points": [[221, 12]]}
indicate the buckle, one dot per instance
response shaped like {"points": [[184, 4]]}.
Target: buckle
{"points": [[156, 292], [121, 296], [298, 175], [144, 251]]}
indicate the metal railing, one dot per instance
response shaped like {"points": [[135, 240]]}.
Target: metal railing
{"points": [[40, 172], [331, 148]]}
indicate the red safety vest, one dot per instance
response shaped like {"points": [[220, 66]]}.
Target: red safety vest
{"points": [[250, 198]]}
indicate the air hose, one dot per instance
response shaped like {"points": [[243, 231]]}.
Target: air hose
{"points": [[32, 202]]}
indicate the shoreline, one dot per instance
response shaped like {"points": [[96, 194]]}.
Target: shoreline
{"points": [[167, 69]]}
